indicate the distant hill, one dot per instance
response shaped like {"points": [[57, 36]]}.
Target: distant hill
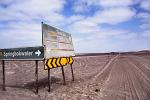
{"points": [[144, 51], [114, 53]]}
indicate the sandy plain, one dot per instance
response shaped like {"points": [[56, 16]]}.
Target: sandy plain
{"points": [[98, 77]]}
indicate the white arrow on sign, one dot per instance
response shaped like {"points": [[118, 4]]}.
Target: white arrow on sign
{"points": [[38, 53]]}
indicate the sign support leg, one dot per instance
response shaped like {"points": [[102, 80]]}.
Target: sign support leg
{"points": [[36, 75], [62, 68], [49, 82], [3, 68], [72, 72]]}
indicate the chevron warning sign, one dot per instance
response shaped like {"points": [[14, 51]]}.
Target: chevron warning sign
{"points": [[58, 62], [55, 62]]}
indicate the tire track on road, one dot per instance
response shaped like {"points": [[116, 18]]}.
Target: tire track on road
{"points": [[140, 70], [105, 68], [130, 78], [114, 86], [143, 61], [136, 81]]}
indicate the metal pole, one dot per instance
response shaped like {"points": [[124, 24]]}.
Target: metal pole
{"points": [[49, 82], [36, 75], [62, 68], [3, 68], [72, 72], [42, 33]]}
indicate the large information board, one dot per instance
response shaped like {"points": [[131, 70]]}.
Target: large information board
{"points": [[57, 43]]}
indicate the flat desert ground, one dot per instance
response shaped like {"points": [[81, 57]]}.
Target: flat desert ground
{"points": [[101, 77]]}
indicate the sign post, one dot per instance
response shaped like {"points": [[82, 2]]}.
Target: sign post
{"points": [[63, 74], [72, 72], [49, 81], [36, 76], [70, 61], [3, 68]]}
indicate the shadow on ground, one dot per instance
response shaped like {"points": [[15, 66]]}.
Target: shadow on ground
{"points": [[42, 83]]}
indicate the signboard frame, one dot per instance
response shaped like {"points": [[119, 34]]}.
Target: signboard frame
{"points": [[46, 29]]}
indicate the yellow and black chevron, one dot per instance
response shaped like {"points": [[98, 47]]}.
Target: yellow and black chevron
{"points": [[70, 60], [55, 62]]}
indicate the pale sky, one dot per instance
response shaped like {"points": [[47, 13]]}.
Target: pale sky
{"points": [[95, 25]]}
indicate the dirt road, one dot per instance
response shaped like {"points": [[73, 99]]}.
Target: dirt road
{"points": [[104, 77]]}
